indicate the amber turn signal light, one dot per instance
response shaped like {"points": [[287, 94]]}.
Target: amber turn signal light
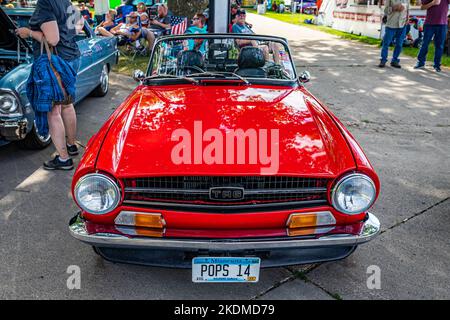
{"points": [[153, 220], [145, 232], [150, 232], [140, 219], [300, 224], [302, 220]]}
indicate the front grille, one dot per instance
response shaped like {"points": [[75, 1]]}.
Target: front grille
{"points": [[195, 190]]}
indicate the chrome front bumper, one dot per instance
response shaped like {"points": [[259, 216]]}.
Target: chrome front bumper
{"points": [[13, 129], [78, 230]]}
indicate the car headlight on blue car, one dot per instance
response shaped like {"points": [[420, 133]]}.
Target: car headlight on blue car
{"points": [[8, 103], [97, 194], [353, 194]]}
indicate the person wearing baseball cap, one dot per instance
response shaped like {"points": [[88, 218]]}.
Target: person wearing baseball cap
{"points": [[241, 26]]}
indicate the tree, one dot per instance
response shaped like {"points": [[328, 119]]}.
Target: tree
{"points": [[187, 8]]}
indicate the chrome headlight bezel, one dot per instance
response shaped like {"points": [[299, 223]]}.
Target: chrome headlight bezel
{"points": [[104, 178], [17, 111], [345, 179]]}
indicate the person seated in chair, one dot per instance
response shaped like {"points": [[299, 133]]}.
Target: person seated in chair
{"points": [[198, 27], [85, 13], [240, 24], [145, 20], [124, 9], [157, 25], [242, 27], [233, 12], [162, 21], [108, 23], [130, 30]]}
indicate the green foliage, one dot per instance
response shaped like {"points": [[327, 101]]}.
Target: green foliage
{"points": [[127, 65], [187, 8]]}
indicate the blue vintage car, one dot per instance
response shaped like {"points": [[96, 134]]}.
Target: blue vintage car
{"points": [[98, 55]]}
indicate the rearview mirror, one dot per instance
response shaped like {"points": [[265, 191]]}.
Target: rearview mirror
{"points": [[138, 75], [304, 77]]}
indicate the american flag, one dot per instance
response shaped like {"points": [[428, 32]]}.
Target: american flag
{"points": [[179, 25]]}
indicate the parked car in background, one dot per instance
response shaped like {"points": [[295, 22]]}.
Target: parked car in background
{"points": [[173, 177], [98, 55]]}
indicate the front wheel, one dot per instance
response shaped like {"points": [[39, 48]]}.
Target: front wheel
{"points": [[102, 88], [34, 140]]}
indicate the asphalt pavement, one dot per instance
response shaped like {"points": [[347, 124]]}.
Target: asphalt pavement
{"points": [[401, 118]]}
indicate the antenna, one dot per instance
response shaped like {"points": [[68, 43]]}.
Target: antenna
{"points": [[18, 50]]}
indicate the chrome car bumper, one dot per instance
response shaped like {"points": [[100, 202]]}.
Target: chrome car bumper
{"points": [[13, 129], [78, 230]]}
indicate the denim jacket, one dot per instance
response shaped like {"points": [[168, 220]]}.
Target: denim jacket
{"points": [[43, 89]]}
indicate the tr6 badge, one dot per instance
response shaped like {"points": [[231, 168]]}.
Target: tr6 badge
{"points": [[226, 193]]}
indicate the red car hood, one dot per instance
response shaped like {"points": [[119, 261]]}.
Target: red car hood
{"points": [[139, 142]]}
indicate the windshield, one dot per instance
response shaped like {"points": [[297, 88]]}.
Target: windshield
{"points": [[230, 56]]}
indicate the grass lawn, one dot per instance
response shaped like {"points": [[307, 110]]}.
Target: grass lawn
{"points": [[298, 19], [126, 65]]}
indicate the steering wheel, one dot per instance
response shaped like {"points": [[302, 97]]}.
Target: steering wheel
{"points": [[277, 71]]}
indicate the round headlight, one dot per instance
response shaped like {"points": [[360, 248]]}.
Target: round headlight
{"points": [[353, 194], [8, 103], [97, 194]]}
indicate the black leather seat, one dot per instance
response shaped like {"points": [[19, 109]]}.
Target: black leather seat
{"points": [[190, 61], [250, 63]]}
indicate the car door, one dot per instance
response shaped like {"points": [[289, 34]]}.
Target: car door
{"points": [[85, 77]]}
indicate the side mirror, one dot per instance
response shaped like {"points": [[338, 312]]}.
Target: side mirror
{"points": [[138, 75], [304, 77]]}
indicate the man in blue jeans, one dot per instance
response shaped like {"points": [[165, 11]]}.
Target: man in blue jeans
{"points": [[436, 25], [396, 13]]}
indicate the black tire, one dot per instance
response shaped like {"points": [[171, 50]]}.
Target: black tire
{"points": [[102, 88], [33, 141]]}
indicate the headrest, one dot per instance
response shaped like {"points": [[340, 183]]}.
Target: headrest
{"points": [[251, 57], [190, 58]]}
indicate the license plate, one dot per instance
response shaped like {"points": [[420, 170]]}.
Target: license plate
{"points": [[225, 269]]}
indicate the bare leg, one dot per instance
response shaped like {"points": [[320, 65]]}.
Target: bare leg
{"points": [[69, 118], [56, 126], [104, 32], [265, 51], [276, 52], [150, 39]]}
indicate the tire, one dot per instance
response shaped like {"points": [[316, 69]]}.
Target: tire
{"points": [[34, 141], [102, 88]]}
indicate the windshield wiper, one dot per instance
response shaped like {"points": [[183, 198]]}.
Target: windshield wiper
{"points": [[219, 74], [169, 76]]}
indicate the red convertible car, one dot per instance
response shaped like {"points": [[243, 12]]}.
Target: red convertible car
{"points": [[221, 161]]}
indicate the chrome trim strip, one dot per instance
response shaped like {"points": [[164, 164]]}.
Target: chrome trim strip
{"points": [[219, 207], [157, 190], [78, 230], [96, 63], [246, 191]]}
